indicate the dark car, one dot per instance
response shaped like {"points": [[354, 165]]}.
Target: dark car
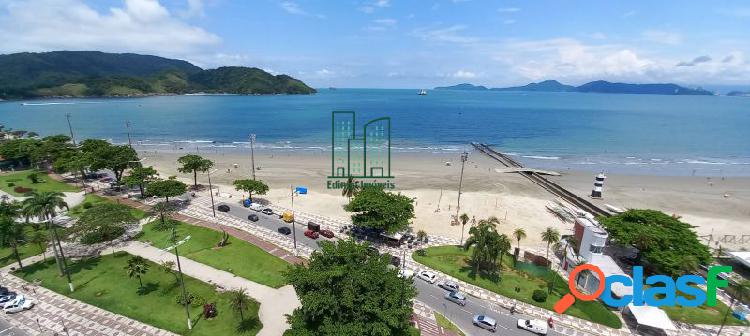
{"points": [[267, 211], [312, 234], [285, 230], [253, 217], [326, 233], [223, 208], [7, 297]]}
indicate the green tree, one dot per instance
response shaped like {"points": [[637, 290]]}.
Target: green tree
{"points": [[166, 188], [239, 301], [165, 211], [662, 239], [140, 176], [75, 162], [345, 290], [11, 233], [251, 187], [518, 234], [377, 209], [487, 245], [103, 222], [464, 218], [192, 163], [350, 188], [550, 236], [104, 155], [33, 177], [137, 267]]}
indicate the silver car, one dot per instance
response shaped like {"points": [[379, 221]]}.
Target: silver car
{"points": [[456, 297], [449, 285], [485, 322]]}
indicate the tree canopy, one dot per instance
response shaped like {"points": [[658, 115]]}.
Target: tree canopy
{"points": [[140, 176], [378, 209], [192, 163], [166, 188], [345, 290], [103, 222], [663, 240], [489, 245], [251, 187], [104, 155]]}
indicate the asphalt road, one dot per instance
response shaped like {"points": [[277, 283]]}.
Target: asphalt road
{"points": [[431, 295], [273, 223], [6, 329]]}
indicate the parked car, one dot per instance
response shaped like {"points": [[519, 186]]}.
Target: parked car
{"points": [[223, 208], [287, 216], [255, 207], [449, 286], [485, 322], [7, 297], [20, 303], [267, 211], [456, 297], [427, 276], [326, 233], [311, 234], [253, 217], [405, 273], [313, 226], [285, 230], [536, 326]]}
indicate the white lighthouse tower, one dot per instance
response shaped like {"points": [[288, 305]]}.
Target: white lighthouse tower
{"points": [[598, 185]]}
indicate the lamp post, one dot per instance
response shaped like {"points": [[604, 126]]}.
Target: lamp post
{"points": [[252, 153], [294, 231], [70, 128], [127, 127], [464, 157], [211, 191]]}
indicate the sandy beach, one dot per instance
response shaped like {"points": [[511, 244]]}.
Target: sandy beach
{"points": [[516, 201]]}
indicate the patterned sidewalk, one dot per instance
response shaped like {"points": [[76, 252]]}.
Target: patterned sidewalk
{"points": [[424, 320]]}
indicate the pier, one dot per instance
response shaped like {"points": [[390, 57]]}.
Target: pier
{"points": [[540, 180]]}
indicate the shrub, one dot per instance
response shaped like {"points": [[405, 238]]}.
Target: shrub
{"points": [[22, 190], [421, 252], [180, 299], [11, 184], [197, 301], [87, 205], [33, 177], [539, 295]]}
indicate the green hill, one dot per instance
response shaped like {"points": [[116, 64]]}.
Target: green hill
{"points": [[94, 73]]}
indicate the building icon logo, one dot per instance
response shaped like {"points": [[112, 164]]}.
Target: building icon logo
{"points": [[360, 157]]}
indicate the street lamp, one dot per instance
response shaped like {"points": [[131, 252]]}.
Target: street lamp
{"points": [[464, 158], [211, 191], [252, 153], [294, 231]]}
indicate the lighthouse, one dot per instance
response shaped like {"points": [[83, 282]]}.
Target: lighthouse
{"points": [[598, 185]]}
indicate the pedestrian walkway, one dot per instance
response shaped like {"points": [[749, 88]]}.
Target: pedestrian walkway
{"points": [[424, 320], [58, 314], [274, 303]]}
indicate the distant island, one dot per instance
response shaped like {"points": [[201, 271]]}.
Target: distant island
{"points": [[94, 73], [593, 87], [739, 93]]}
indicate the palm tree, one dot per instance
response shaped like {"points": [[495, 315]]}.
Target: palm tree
{"points": [[11, 232], [519, 233], [486, 242], [504, 245], [137, 267], [239, 301], [550, 236], [45, 205], [350, 188], [464, 218]]}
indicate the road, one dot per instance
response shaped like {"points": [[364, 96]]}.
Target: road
{"points": [[6, 329], [430, 294]]}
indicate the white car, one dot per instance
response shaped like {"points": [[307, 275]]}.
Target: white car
{"points": [[535, 326], [405, 273], [427, 276], [485, 322], [456, 297], [256, 207], [449, 286], [20, 303]]}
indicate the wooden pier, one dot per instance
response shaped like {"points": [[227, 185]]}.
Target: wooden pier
{"points": [[540, 180]]}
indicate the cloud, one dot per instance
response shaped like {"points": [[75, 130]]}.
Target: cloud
{"points": [[736, 12], [382, 24], [450, 34], [294, 9], [663, 37], [695, 61], [382, 3], [728, 59], [142, 26], [509, 21], [629, 14], [463, 74], [194, 9], [508, 10], [599, 36], [370, 7]]}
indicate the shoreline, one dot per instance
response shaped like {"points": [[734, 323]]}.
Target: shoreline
{"points": [[516, 201]]}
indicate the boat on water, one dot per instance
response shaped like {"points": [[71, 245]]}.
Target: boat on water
{"points": [[422, 92]]}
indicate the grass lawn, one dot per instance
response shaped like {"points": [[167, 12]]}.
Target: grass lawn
{"points": [[93, 199], [447, 324], [103, 282], [237, 257], [24, 251], [515, 284], [702, 314], [19, 179]]}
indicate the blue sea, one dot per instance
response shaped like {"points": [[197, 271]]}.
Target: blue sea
{"points": [[649, 134]]}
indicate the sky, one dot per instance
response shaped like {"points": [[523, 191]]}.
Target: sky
{"points": [[408, 43]]}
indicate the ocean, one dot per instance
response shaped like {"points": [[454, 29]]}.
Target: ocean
{"points": [[648, 134]]}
